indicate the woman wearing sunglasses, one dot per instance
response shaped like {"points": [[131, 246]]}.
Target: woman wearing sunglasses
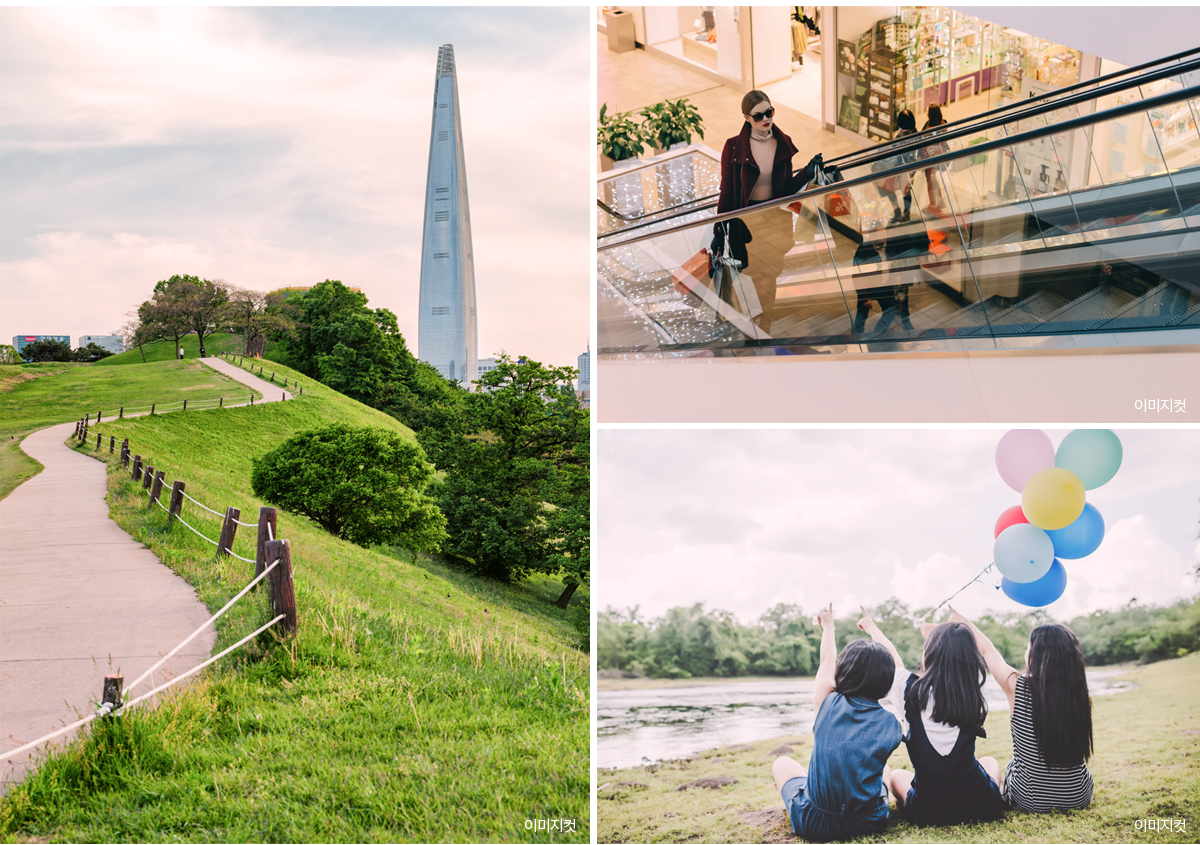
{"points": [[756, 167]]}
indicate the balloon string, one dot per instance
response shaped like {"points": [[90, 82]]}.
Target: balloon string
{"points": [[974, 580]]}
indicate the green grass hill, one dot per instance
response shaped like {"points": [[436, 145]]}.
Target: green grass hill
{"points": [[33, 396], [165, 350], [416, 703], [1146, 765]]}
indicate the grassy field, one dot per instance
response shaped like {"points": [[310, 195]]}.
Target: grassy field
{"points": [[33, 396], [415, 704], [1146, 765], [165, 350]]}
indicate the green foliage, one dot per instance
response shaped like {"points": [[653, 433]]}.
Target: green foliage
{"points": [[580, 614], [46, 349], [365, 485], [694, 642], [90, 354], [8, 355], [618, 136], [516, 446], [162, 350], [359, 351], [671, 122]]}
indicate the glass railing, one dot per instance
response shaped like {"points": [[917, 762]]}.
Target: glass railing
{"points": [[1055, 224], [667, 186]]}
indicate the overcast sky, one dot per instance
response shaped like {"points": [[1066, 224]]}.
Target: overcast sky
{"points": [[741, 520], [279, 146]]}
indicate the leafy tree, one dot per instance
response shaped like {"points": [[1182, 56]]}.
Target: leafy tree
{"points": [[90, 353], [136, 333], [8, 354], [365, 485], [46, 350], [505, 452], [165, 314], [249, 313]]}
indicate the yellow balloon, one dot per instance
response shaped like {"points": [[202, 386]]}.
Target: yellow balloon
{"points": [[1053, 499]]}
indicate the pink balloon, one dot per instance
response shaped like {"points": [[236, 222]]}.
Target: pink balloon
{"points": [[1010, 517], [1021, 454]]}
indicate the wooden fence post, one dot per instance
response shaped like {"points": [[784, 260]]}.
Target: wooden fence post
{"points": [[151, 409], [112, 444], [137, 467], [185, 404], [221, 402], [112, 690], [251, 398], [99, 437], [228, 531], [98, 413], [176, 500], [283, 594], [147, 478], [156, 488], [121, 414], [267, 527]]}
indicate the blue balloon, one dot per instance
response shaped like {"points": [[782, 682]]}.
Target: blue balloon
{"points": [[1093, 454], [1081, 537], [1023, 553], [1041, 592]]}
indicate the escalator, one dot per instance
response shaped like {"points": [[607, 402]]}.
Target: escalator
{"points": [[1070, 218]]}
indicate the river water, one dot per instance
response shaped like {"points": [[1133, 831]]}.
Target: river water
{"points": [[647, 725]]}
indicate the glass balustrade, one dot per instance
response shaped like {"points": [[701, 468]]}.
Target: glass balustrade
{"points": [[1019, 232]]}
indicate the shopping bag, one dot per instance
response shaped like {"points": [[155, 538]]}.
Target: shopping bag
{"points": [[839, 204], [695, 271]]}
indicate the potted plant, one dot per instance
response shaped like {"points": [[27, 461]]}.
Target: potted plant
{"points": [[620, 139], [669, 124]]}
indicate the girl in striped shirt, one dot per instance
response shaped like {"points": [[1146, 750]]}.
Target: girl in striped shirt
{"points": [[1051, 718]]}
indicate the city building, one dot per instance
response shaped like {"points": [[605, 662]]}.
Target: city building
{"points": [[584, 365], [114, 343], [22, 340], [1035, 258], [484, 365], [447, 335]]}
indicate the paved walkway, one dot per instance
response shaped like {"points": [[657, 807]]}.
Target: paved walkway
{"points": [[79, 598]]}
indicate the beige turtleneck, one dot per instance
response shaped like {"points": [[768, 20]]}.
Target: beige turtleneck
{"points": [[762, 147]]}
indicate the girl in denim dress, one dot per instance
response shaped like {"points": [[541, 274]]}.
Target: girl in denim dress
{"points": [[843, 793]]}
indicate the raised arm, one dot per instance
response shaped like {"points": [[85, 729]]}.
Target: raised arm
{"points": [[1005, 675], [828, 668], [868, 626]]}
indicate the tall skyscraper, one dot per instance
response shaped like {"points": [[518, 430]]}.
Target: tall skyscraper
{"points": [[447, 334]]}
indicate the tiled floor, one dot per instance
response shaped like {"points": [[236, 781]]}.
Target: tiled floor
{"points": [[633, 80]]}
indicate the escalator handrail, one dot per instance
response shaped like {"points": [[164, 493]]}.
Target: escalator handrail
{"points": [[993, 119], [1137, 75], [1081, 122]]}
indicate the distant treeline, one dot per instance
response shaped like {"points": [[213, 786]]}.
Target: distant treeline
{"points": [[694, 642]]}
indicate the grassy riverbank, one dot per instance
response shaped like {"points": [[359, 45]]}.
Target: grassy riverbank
{"points": [[33, 396], [1146, 765], [617, 684], [414, 704]]}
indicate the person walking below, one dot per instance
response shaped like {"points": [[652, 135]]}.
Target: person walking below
{"points": [[932, 184]]}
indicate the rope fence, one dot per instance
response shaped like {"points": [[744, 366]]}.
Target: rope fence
{"points": [[240, 361], [278, 574]]}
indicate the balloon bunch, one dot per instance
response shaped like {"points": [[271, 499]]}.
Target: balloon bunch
{"points": [[1054, 522]]}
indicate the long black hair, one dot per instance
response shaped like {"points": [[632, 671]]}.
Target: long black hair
{"points": [[1062, 708], [954, 675], [865, 669]]}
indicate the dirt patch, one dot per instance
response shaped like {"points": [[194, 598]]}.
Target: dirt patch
{"points": [[708, 783], [8, 383]]}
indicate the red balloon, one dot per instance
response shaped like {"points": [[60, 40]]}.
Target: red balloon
{"points": [[1010, 517]]}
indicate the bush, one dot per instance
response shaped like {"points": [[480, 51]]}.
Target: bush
{"points": [[365, 485]]}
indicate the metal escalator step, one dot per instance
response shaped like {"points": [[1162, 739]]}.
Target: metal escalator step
{"points": [[1078, 314]]}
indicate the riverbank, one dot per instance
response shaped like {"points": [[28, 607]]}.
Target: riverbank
{"points": [[620, 684], [1146, 765]]}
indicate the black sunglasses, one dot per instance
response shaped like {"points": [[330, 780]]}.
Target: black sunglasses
{"points": [[762, 115]]}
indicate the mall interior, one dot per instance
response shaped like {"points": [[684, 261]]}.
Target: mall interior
{"points": [[1051, 222]]}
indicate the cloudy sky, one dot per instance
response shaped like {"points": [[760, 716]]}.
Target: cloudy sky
{"points": [[274, 147], [744, 519]]}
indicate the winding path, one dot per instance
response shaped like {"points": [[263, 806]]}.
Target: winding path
{"points": [[79, 598]]}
